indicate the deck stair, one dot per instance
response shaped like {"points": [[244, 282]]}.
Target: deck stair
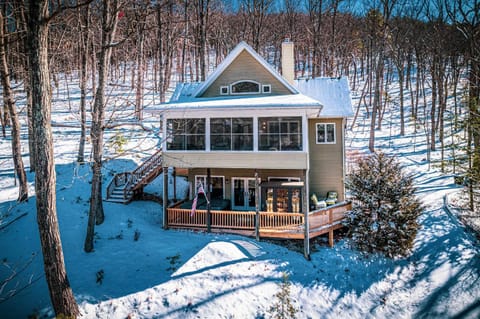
{"points": [[125, 186]]}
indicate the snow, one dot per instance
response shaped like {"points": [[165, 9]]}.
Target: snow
{"points": [[333, 93], [186, 274]]}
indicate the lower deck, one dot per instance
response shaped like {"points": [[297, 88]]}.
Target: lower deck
{"points": [[280, 225]]}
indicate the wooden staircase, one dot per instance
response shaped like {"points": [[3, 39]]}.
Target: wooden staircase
{"points": [[125, 186]]}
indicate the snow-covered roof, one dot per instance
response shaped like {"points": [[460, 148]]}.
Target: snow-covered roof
{"points": [[225, 102], [184, 91], [230, 58], [333, 94]]}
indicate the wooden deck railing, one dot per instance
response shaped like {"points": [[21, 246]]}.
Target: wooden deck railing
{"points": [[320, 221], [143, 173], [281, 221]]}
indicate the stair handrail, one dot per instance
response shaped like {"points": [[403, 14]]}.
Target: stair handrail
{"points": [[117, 180], [136, 175]]}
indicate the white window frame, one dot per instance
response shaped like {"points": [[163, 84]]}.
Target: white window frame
{"points": [[266, 86], [325, 139], [245, 93], [224, 87]]}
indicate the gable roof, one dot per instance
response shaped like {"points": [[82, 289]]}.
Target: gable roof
{"points": [[242, 46], [332, 93]]}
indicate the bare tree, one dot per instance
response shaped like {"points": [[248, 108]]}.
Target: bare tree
{"points": [[61, 294], [466, 15], [9, 101], [84, 48], [255, 12], [110, 9], [201, 11]]}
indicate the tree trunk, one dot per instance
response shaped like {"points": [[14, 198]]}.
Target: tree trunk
{"points": [[109, 25], [376, 100], [432, 110], [402, 109], [83, 83], [9, 101], [61, 295], [140, 73]]}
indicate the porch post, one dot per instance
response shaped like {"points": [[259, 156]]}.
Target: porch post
{"points": [[257, 207], [306, 206], [174, 176], [209, 214], [165, 197]]}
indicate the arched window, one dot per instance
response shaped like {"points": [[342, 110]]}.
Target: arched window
{"points": [[245, 87]]}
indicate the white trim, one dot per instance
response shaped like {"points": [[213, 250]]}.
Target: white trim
{"points": [[230, 58], [305, 144], [255, 133], [207, 134], [285, 179], [245, 93], [334, 133]]}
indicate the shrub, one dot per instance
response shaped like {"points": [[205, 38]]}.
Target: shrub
{"points": [[283, 307], [385, 208]]}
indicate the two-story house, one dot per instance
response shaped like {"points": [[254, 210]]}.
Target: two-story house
{"points": [[246, 118]]}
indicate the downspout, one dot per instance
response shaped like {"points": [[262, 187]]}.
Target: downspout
{"points": [[257, 207], [306, 195], [306, 246], [344, 125]]}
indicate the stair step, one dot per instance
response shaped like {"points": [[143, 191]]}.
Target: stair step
{"points": [[129, 194], [117, 200]]}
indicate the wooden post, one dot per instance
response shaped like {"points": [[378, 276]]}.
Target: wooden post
{"points": [[330, 232], [306, 208], [257, 207], [209, 214], [165, 197]]}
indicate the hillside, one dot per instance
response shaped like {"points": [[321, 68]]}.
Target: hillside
{"points": [[182, 274]]}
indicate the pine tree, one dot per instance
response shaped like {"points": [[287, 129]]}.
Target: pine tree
{"points": [[385, 210]]}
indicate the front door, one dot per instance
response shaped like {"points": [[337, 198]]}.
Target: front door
{"points": [[243, 193]]}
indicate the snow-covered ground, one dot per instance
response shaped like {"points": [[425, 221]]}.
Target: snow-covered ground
{"points": [[183, 274]]}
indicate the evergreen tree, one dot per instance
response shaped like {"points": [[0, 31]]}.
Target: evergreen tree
{"points": [[385, 210]]}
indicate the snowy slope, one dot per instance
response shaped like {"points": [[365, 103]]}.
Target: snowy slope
{"points": [[182, 274]]}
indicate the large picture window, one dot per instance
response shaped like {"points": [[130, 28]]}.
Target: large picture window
{"points": [[186, 134], [280, 134], [325, 133], [231, 134]]}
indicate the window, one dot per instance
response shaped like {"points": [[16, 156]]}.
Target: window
{"points": [[186, 134], [325, 133], [245, 87], [218, 185], [224, 90], [231, 134], [266, 88], [280, 134]]}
